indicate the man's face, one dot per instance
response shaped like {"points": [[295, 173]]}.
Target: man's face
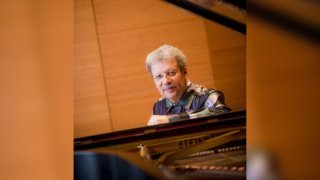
{"points": [[169, 79]]}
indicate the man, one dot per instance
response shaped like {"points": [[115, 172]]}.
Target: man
{"points": [[181, 99]]}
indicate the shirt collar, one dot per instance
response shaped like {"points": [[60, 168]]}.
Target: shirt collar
{"points": [[185, 98]]}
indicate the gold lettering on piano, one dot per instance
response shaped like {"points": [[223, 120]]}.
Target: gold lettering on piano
{"points": [[193, 141]]}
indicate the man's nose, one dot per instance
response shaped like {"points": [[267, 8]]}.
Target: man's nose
{"points": [[166, 79]]}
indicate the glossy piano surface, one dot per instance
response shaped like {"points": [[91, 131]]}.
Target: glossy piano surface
{"points": [[201, 126]]}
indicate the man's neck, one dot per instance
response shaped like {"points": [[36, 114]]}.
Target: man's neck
{"points": [[182, 95]]}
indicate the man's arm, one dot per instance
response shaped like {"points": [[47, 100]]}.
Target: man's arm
{"points": [[214, 104], [215, 101], [161, 119]]}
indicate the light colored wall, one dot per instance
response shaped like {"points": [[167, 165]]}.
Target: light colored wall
{"points": [[113, 91], [91, 109], [228, 60]]}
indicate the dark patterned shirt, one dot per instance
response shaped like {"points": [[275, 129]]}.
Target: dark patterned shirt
{"points": [[195, 98]]}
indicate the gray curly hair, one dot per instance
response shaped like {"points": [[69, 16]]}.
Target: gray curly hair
{"points": [[166, 52]]}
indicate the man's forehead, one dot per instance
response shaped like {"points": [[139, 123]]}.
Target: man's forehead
{"points": [[165, 62], [163, 65]]}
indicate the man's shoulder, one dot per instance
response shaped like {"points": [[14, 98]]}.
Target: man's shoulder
{"points": [[159, 107], [160, 100], [200, 90]]}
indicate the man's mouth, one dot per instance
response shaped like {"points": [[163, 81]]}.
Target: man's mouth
{"points": [[168, 88]]}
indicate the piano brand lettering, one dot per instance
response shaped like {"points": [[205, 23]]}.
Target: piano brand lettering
{"points": [[193, 141]]}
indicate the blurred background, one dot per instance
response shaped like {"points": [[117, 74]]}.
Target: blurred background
{"points": [[37, 87]]}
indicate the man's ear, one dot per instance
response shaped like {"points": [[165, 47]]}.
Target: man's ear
{"points": [[185, 71]]}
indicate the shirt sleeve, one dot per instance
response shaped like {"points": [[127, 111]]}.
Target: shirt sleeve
{"points": [[214, 104], [216, 101]]}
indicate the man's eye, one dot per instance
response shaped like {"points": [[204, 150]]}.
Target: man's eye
{"points": [[158, 76], [172, 73]]}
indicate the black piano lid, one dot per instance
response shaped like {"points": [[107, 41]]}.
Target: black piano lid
{"points": [[219, 121], [199, 8]]}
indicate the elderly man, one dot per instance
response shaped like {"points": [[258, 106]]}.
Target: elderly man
{"points": [[181, 99]]}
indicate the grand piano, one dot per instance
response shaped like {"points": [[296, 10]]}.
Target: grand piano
{"points": [[203, 148], [212, 147]]}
